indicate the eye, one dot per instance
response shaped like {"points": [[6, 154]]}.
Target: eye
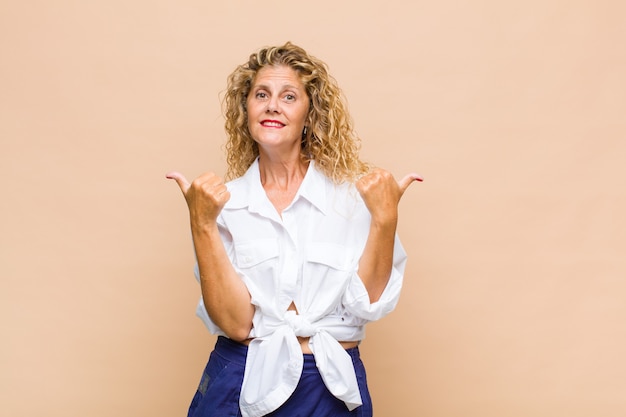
{"points": [[290, 97], [260, 94]]}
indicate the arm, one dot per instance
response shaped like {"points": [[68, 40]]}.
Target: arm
{"points": [[381, 194], [225, 295]]}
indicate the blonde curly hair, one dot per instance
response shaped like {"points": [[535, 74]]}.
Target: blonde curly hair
{"points": [[330, 139]]}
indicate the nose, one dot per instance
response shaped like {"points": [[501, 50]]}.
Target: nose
{"points": [[272, 106]]}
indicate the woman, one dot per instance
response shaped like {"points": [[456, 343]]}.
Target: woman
{"points": [[297, 252]]}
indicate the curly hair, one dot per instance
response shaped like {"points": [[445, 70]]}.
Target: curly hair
{"points": [[330, 139]]}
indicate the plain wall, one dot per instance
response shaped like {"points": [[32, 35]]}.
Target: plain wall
{"points": [[514, 112]]}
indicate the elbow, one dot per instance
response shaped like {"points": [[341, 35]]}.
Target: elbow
{"points": [[235, 323], [239, 333], [238, 328]]}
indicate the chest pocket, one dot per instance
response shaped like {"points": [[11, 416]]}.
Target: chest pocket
{"points": [[326, 275], [253, 253], [331, 255]]}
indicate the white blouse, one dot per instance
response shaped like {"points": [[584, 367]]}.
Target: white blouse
{"points": [[310, 257]]}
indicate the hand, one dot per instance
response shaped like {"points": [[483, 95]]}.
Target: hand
{"points": [[381, 193], [205, 196]]}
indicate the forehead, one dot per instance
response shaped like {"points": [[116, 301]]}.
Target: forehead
{"points": [[278, 76]]}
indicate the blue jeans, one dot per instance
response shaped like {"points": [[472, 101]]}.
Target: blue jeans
{"points": [[218, 392]]}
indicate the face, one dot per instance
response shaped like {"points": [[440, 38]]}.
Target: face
{"points": [[277, 107]]}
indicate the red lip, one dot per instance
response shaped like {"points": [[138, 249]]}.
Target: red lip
{"points": [[272, 123]]}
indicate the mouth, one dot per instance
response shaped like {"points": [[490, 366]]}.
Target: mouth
{"points": [[272, 123]]}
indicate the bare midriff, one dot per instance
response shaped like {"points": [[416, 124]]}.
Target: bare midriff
{"points": [[304, 344]]}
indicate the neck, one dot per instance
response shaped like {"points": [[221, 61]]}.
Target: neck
{"points": [[281, 175]]}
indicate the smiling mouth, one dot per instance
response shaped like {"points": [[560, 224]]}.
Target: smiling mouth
{"points": [[272, 123]]}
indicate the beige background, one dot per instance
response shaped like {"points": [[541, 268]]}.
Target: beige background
{"points": [[514, 303]]}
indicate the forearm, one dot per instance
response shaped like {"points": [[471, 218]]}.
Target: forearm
{"points": [[376, 261], [226, 297]]}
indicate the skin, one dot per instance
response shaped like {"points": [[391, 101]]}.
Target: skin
{"points": [[277, 107]]}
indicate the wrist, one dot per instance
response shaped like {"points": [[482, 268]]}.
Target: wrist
{"points": [[204, 228], [388, 220]]}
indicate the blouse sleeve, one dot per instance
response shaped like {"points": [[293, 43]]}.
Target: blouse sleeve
{"points": [[356, 299]]}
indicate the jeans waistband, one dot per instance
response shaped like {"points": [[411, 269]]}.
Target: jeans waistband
{"points": [[237, 352]]}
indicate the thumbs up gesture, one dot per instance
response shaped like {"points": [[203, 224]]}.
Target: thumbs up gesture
{"points": [[381, 193], [205, 196]]}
